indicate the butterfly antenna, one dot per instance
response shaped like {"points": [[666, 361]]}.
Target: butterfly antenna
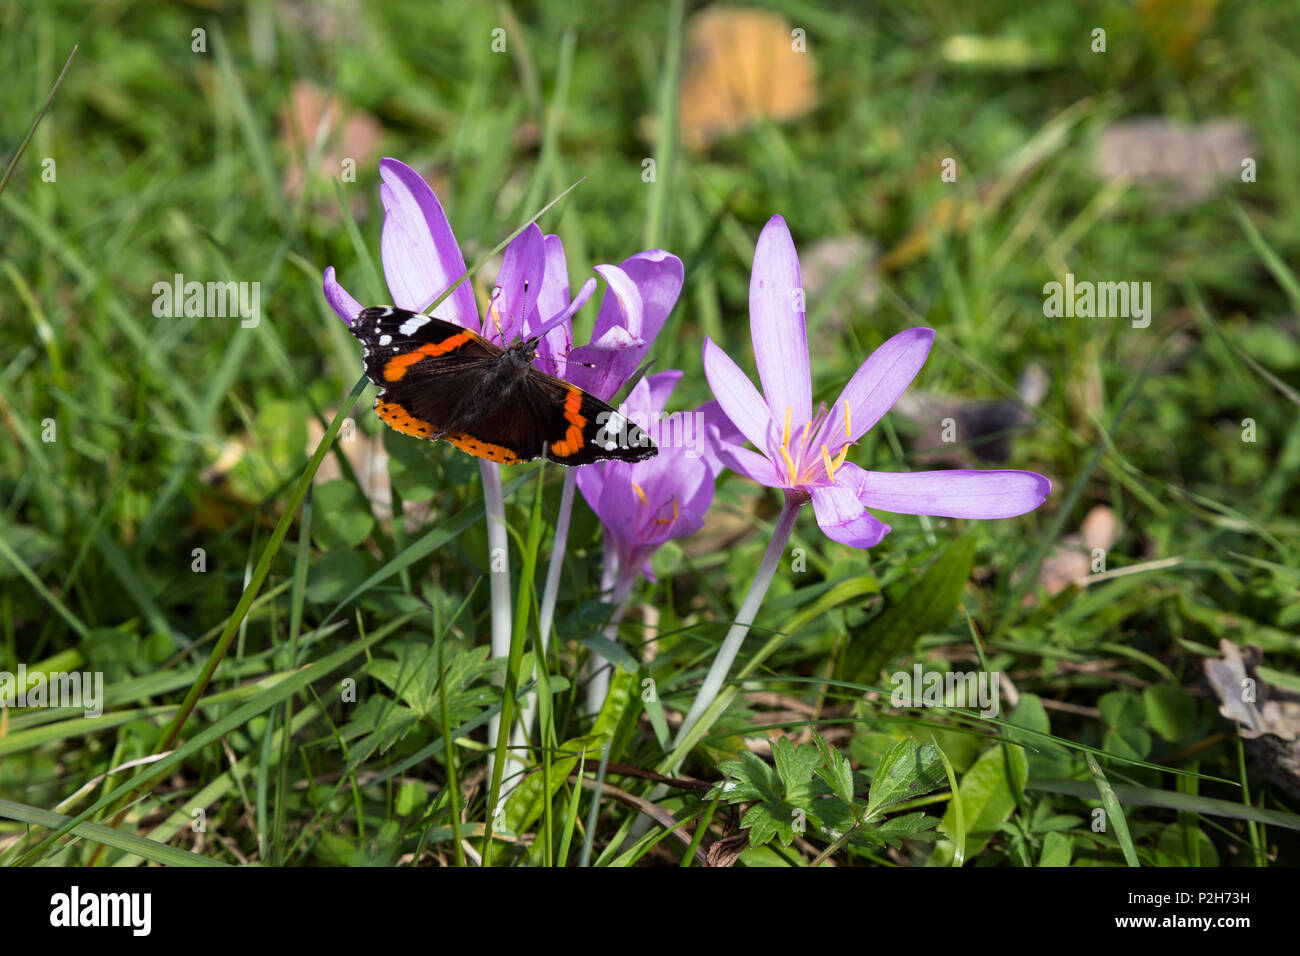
{"points": [[557, 363]]}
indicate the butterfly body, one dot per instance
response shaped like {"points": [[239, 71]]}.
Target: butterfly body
{"points": [[443, 382]]}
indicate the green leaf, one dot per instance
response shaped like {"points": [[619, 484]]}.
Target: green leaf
{"points": [[1172, 849], [525, 803], [958, 833], [35, 547], [794, 765], [988, 794], [1057, 848], [926, 607], [410, 798], [1124, 716], [343, 516], [1045, 759], [1170, 712], [905, 772], [836, 770], [618, 714], [750, 779], [892, 832], [334, 574]]}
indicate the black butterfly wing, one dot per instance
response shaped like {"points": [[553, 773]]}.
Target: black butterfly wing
{"points": [[575, 427], [582, 429], [399, 344], [426, 367], [431, 373]]}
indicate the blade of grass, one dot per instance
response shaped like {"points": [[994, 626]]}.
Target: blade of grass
{"points": [[22, 147], [151, 850], [259, 704], [959, 821], [1113, 810], [666, 142]]}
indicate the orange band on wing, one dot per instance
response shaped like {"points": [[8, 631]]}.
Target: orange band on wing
{"points": [[396, 417], [398, 364], [571, 443], [482, 449]]}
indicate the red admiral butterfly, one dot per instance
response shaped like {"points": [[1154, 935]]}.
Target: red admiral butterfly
{"points": [[444, 382]]}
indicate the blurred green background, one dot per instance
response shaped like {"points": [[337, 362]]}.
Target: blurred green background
{"points": [[226, 162]]}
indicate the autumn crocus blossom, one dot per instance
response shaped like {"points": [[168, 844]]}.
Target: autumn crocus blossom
{"points": [[422, 259], [805, 453]]}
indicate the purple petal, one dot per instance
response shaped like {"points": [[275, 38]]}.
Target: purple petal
{"points": [[642, 292], [669, 475], [553, 303], [685, 524], [956, 494], [588, 366], [420, 255], [697, 495], [553, 296], [750, 464], [556, 333], [518, 283], [657, 276], [876, 385], [591, 482], [738, 398], [622, 304], [841, 515], [714, 427], [617, 506], [344, 306], [616, 342], [777, 326], [660, 386]]}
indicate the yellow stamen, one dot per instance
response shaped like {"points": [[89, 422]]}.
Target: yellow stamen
{"points": [[839, 459], [789, 464], [785, 446], [640, 494], [676, 512], [848, 429], [830, 467]]}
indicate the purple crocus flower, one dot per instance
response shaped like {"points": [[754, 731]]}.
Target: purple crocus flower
{"points": [[643, 504], [645, 288], [804, 453], [422, 258]]}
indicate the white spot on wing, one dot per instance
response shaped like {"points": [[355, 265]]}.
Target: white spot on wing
{"points": [[385, 339], [411, 325]]}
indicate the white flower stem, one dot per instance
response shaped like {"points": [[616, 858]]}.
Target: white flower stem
{"points": [[717, 675], [499, 587]]}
